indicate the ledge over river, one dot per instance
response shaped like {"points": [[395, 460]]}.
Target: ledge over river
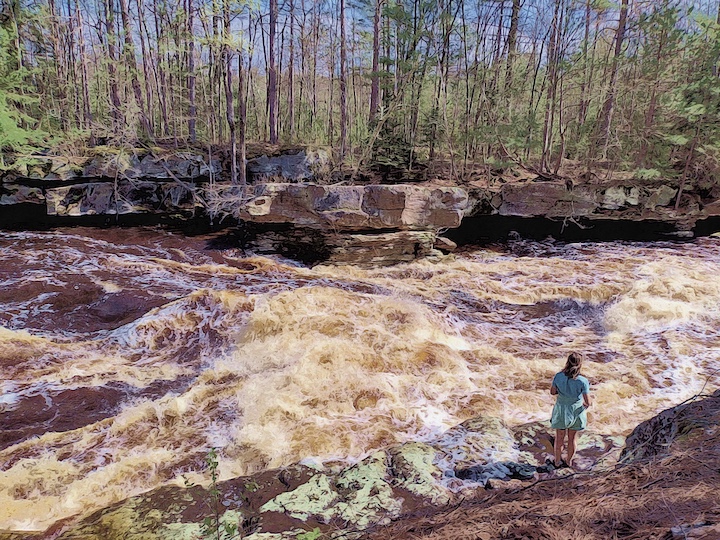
{"points": [[289, 207]]}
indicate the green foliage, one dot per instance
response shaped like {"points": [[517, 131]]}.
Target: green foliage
{"points": [[310, 535], [677, 140], [14, 133], [648, 174], [214, 527]]}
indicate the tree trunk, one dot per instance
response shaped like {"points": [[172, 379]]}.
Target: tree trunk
{"points": [[229, 108], [343, 83], [553, 61], [60, 69], [512, 46], [242, 123], [146, 57], [87, 111], [161, 81], [192, 108], [130, 61], [116, 113], [291, 74], [72, 62], [272, 75], [375, 78], [607, 111]]}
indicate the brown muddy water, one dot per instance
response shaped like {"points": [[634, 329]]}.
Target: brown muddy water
{"points": [[126, 353]]}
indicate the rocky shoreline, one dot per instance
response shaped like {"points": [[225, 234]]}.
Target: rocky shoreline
{"points": [[289, 207], [398, 483]]}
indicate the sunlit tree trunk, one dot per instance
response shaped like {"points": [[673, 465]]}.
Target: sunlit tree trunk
{"points": [[552, 68], [343, 83], [272, 75], [130, 62], [192, 107], [375, 77], [291, 74], [512, 46], [242, 123], [116, 113], [229, 107], [87, 110], [607, 110]]}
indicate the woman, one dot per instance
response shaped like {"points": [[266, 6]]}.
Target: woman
{"points": [[568, 415]]}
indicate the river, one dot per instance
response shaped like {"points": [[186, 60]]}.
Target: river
{"points": [[126, 353]]}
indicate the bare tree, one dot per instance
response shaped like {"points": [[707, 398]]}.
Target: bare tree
{"points": [[606, 113], [375, 77], [343, 82], [272, 74]]}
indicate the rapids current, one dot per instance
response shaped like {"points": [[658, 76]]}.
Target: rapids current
{"points": [[126, 353]]}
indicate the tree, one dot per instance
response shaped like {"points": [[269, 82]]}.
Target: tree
{"points": [[606, 114], [272, 74]]}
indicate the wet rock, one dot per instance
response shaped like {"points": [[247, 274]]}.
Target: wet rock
{"points": [[415, 466], [696, 531], [81, 200], [661, 196], [361, 494], [313, 498], [379, 249], [504, 470], [445, 244], [619, 197]]}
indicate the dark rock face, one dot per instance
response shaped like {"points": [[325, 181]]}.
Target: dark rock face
{"points": [[303, 166], [654, 436], [123, 197], [628, 202]]}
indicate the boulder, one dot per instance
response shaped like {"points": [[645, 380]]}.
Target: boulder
{"points": [[19, 194], [81, 200], [312, 245], [123, 197], [549, 199], [345, 207], [300, 167], [655, 436], [379, 249]]}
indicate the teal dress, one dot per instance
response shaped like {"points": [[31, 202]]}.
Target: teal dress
{"points": [[569, 410]]}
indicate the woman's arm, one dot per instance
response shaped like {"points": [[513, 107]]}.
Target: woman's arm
{"points": [[553, 390], [586, 400]]}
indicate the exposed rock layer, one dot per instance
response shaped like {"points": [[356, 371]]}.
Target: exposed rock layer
{"points": [[366, 224]]}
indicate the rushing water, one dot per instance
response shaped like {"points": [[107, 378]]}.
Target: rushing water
{"points": [[126, 353]]}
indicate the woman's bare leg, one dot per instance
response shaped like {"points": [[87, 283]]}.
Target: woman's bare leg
{"points": [[559, 443], [571, 445]]}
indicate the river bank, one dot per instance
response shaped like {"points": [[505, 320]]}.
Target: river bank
{"points": [[297, 205]]}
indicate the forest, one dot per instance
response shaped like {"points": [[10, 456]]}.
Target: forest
{"points": [[615, 86]]}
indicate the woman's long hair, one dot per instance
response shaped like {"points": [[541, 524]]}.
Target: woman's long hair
{"points": [[573, 365]]}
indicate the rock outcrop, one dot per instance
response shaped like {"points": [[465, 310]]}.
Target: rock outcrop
{"points": [[345, 208], [655, 436], [300, 166], [630, 201], [281, 504], [390, 483], [360, 224]]}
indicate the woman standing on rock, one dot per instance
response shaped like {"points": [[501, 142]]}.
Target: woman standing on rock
{"points": [[568, 415]]}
